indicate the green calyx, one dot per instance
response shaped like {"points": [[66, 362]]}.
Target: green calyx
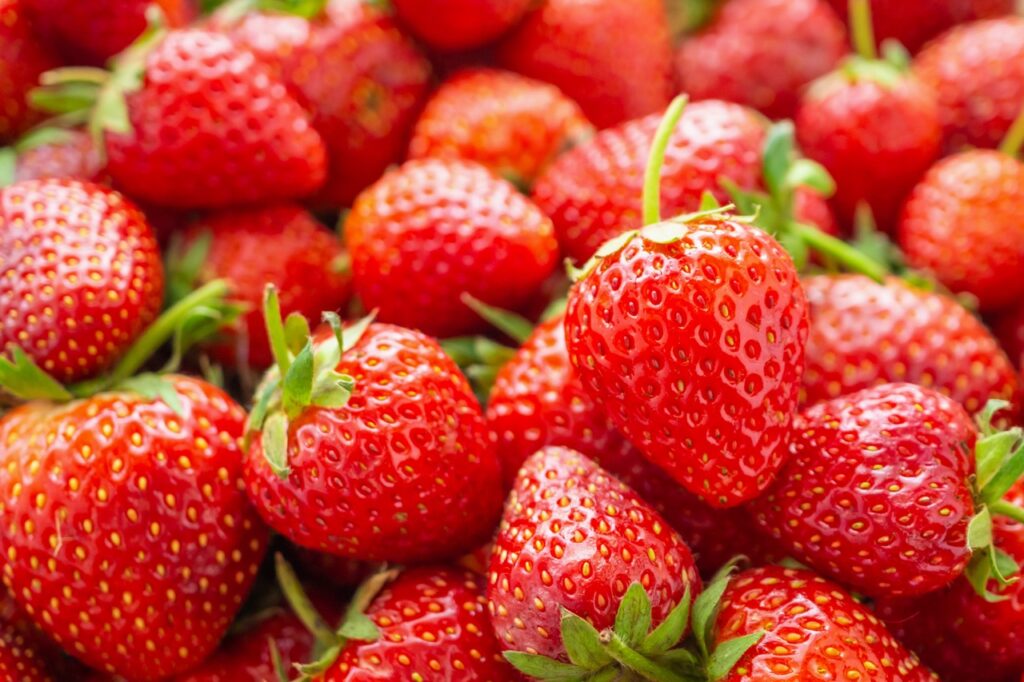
{"points": [[232, 11], [632, 646], [1014, 139], [866, 64]]}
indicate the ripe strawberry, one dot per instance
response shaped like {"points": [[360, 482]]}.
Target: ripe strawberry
{"points": [[864, 333], [330, 569], [813, 629], [82, 275], [373, 448], [514, 125], [1009, 329], [23, 58], [68, 154], [363, 81], [20, 660], [761, 53], [452, 25], [962, 224], [977, 73], [309, 269], [614, 58], [135, 507], [434, 229]]}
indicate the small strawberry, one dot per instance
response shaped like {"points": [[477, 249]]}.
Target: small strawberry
{"points": [[977, 73], [513, 125], [23, 58], [435, 229], [452, 25], [761, 53], [51, 153], [865, 333], [614, 58]]}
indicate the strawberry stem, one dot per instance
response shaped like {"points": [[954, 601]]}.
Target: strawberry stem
{"points": [[1014, 139], [862, 32], [652, 175], [630, 659], [846, 255]]}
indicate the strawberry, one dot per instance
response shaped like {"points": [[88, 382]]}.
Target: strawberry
{"points": [[812, 629], [363, 81], [761, 53], [309, 269], [23, 58], [434, 229], [82, 275], [330, 569], [615, 59], [961, 223], [1009, 329], [20, 660], [52, 153], [382, 423], [977, 73], [865, 333], [515, 126], [452, 25]]}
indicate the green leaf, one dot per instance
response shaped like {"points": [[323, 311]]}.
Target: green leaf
{"points": [[544, 668], [807, 173], [728, 653], [154, 387], [633, 619], [297, 385], [778, 156], [514, 326], [275, 444], [990, 452], [669, 631], [583, 642], [359, 626], [23, 378], [709, 202], [979, 530], [356, 330], [1004, 566], [296, 332], [1009, 472], [333, 392], [988, 413], [8, 166]]}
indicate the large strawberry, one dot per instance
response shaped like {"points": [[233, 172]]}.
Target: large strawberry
{"points": [[435, 229], [761, 53], [363, 81], [82, 275], [865, 333], [451, 25], [514, 125], [22, 59], [613, 58]]}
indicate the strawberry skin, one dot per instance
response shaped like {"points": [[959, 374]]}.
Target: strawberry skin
{"points": [[1009, 329], [20, 661], [234, 111], [864, 333], [614, 58], [513, 125], [73, 158], [82, 275], [434, 229], [762, 53], [814, 630], [574, 537], [129, 539], [691, 335], [962, 223], [23, 58], [452, 25]]}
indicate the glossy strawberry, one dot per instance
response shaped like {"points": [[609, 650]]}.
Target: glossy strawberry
{"points": [[614, 59], [361, 78], [977, 73], [515, 126], [814, 630], [961, 223], [761, 53], [451, 25], [137, 512], [81, 275], [23, 58], [864, 333], [72, 155], [434, 229]]}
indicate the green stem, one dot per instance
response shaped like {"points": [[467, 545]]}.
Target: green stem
{"points": [[637, 662], [1010, 511], [862, 30], [850, 258], [275, 329], [1011, 144], [652, 175]]}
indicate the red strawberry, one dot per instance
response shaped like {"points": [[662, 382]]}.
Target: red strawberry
{"points": [[761, 53], [1010, 331], [374, 449], [514, 125], [22, 59], [813, 629], [82, 275], [309, 269], [363, 81], [613, 58], [330, 569], [962, 224], [977, 72], [451, 25], [864, 333], [67, 154], [21, 660], [434, 229]]}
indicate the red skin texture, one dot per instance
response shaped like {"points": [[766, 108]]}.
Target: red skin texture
{"points": [[19, 661], [138, 514], [1009, 328], [614, 58], [304, 268], [962, 223], [875, 140], [515, 126], [362, 80], [23, 57], [403, 472], [453, 25], [82, 275], [329, 569], [864, 334], [762, 53], [977, 73], [834, 505], [207, 109], [814, 631], [431, 619], [574, 537], [695, 348], [433, 229], [75, 158]]}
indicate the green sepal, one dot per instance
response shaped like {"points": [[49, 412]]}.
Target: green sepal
{"points": [[554, 309], [778, 156], [681, 659], [807, 173], [8, 166], [297, 385], [728, 653], [183, 264], [154, 387], [583, 642], [709, 202], [1008, 447], [480, 359], [633, 618], [267, 394], [296, 332], [979, 530], [201, 322], [988, 564], [23, 378], [300, 604], [895, 54], [314, 669], [705, 607], [544, 668], [514, 326], [669, 631], [275, 444], [275, 661]]}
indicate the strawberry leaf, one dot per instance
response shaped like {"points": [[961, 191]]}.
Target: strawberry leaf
{"points": [[544, 668], [1010, 446], [807, 173], [728, 653], [778, 156], [583, 642], [705, 607], [8, 166], [633, 619], [669, 631], [275, 444], [297, 385], [23, 378], [154, 387], [514, 326], [296, 332], [979, 530]]}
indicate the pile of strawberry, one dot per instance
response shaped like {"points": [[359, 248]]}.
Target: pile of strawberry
{"points": [[764, 424]]}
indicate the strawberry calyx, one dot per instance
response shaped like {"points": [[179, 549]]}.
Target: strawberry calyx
{"points": [[233, 11]]}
